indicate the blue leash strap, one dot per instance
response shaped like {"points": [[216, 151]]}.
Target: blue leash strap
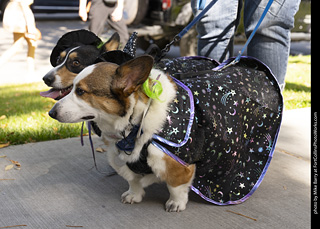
{"points": [[237, 59], [186, 29], [201, 4]]}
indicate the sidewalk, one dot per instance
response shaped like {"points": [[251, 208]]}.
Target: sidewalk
{"points": [[55, 188]]}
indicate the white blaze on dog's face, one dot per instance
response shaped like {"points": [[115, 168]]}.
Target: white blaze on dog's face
{"points": [[70, 109], [60, 76], [102, 91]]}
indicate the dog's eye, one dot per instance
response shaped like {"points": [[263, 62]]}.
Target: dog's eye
{"points": [[75, 63], [79, 91]]}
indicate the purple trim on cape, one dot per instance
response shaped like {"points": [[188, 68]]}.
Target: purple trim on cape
{"points": [[163, 149], [170, 143]]}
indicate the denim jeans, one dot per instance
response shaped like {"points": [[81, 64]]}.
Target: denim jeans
{"points": [[270, 44]]}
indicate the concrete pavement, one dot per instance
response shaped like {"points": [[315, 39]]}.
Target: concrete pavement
{"points": [[56, 188]]}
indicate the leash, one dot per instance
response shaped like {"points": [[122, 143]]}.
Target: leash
{"points": [[186, 29], [237, 59], [92, 150], [200, 5]]}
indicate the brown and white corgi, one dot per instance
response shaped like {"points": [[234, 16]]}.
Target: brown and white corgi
{"points": [[111, 95], [214, 133]]}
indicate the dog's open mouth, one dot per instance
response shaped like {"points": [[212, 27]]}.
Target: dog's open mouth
{"points": [[56, 93]]}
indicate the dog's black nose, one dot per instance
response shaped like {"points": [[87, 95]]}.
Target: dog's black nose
{"points": [[48, 79], [53, 113]]}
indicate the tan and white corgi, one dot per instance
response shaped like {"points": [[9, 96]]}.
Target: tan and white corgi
{"points": [[214, 133], [111, 96]]}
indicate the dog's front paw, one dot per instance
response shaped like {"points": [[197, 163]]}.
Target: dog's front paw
{"points": [[175, 206], [130, 197]]}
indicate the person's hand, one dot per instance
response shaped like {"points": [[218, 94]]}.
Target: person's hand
{"points": [[83, 14], [34, 35], [117, 14]]}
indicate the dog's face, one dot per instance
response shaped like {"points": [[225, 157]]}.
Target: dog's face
{"points": [[102, 91], [72, 61]]}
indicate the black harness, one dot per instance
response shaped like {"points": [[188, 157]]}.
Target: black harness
{"points": [[141, 166]]}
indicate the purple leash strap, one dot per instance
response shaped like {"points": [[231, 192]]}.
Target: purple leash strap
{"points": [[92, 150]]}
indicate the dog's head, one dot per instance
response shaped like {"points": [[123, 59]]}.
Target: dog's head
{"points": [[74, 51], [103, 91]]}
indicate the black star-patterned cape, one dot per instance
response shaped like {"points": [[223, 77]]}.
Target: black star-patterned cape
{"points": [[225, 121]]}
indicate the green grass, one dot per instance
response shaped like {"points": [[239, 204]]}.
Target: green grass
{"points": [[297, 92], [24, 116], [24, 113]]}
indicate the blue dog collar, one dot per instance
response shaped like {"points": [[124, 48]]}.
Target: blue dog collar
{"points": [[127, 144]]}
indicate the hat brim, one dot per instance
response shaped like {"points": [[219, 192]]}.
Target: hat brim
{"points": [[72, 39]]}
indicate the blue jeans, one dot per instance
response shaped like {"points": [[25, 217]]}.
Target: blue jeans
{"points": [[270, 44]]}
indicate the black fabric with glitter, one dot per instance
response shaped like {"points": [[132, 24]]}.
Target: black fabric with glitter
{"points": [[228, 126]]}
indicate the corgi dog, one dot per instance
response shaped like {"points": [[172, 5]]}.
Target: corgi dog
{"points": [[74, 51], [214, 132], [111, 96]]}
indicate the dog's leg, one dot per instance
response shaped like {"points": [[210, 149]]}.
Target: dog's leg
{"points": [[178, 198], [178, 178], [149, 180], [135, 192]]}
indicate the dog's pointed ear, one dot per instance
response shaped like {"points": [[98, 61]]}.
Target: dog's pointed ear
{"points": [[131, 75], [112, 44]]}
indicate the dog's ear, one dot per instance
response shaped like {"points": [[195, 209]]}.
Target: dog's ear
{"points": [[131, 75], [112, 43]]}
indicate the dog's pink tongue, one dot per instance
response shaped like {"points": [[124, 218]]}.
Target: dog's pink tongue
{"points": [[52, 93]]}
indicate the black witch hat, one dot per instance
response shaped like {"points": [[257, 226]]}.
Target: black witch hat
{"points": [[72, 39]]}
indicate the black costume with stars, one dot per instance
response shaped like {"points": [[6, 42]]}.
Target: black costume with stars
{"points": [[228, 127], [225, 121]]}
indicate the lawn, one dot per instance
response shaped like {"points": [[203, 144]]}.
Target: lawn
{"points": [[24, 113], [24, 116], [297, 93]]}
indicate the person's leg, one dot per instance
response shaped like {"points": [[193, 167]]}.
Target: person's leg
{"points": [[216, 29], [118, 26], [98, 15], [32, 44], [271, 43], [121, 28], [16, 47]]}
